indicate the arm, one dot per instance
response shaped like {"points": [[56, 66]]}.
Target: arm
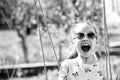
{"points": [[103, 67], [63, 72]]}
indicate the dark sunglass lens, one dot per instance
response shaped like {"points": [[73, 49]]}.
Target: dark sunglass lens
{"points": [[80, 35], [91, 35]]}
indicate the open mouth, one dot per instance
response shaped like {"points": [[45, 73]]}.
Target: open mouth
{"points": [[85, 47]]}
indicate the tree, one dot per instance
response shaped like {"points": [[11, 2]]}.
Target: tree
{"points": [[18, 16]]}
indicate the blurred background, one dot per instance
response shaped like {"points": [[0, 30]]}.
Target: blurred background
{"points": [[22, 51]]}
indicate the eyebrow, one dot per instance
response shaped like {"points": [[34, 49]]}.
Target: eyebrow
{"points": [[87, 32]]}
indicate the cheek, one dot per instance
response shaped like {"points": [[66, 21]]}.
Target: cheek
{"points": [[77, 46]]}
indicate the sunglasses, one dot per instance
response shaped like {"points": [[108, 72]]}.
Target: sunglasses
{"points": [[90, 35]]}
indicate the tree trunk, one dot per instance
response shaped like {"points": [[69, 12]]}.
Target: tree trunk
{"points": [[24, 45]]}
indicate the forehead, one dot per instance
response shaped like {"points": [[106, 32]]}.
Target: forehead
{"points": [[83, 27]]}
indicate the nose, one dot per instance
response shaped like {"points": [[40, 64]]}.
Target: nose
{"points": [[85, 37], [85, 40]]}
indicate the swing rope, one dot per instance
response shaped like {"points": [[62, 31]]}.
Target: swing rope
{"points": [[49, 34], [108, 64], [41, 42]]}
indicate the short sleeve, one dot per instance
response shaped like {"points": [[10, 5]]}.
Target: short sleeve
{"points": [[103, 67], [63, 72]]}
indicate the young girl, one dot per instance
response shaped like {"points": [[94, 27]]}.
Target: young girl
{"points": [[84, 65]]}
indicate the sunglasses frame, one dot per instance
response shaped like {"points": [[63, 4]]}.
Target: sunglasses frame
{"points": [[81, 35]]}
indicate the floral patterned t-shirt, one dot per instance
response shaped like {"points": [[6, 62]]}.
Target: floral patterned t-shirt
{"points": [[72, 69]]}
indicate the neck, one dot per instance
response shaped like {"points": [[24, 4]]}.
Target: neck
{"points": [[88, 60]]}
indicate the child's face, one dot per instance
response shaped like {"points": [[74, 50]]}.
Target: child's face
{"points": [[85, 39]]}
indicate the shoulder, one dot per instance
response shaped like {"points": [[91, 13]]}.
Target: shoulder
{"points": [[102, 64], [68, 62]]}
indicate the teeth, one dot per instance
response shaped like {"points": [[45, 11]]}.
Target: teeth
{"points": [[86, 44]]}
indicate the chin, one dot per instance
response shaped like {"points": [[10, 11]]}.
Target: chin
{"points": [[86, 55]]}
